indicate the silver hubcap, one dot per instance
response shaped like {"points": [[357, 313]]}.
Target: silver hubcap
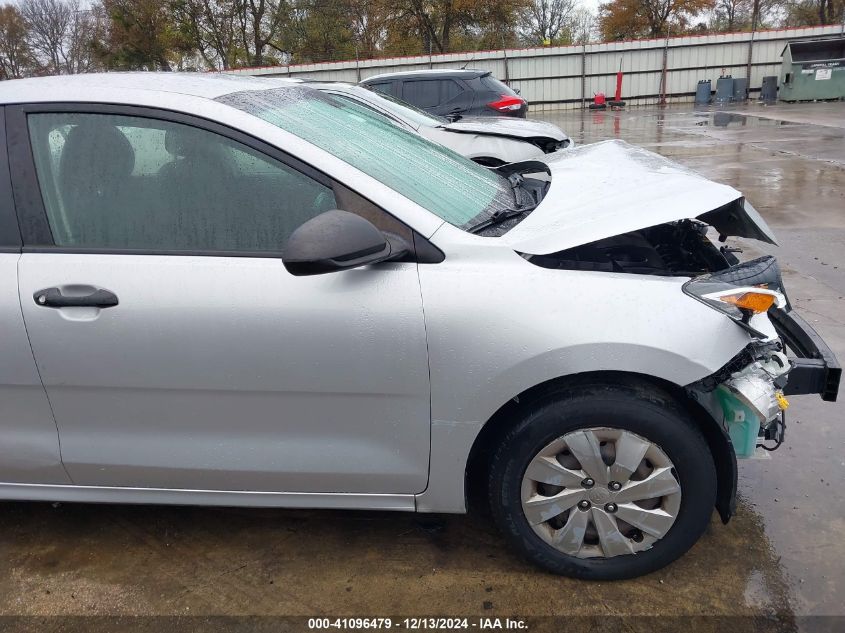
{"points": [[601, 492]]}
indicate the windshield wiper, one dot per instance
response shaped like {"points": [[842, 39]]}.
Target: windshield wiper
{"points": [[499, 216], [515, 181]]}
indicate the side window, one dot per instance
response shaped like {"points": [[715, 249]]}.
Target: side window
{"points": [[121, 182], [453, 94], [450, 89], [385, 87], [423, 93]]}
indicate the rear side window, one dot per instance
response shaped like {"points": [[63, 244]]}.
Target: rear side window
{"points": [[449, 89], [430, 93], [491, 83], [451, 92], [423, 93], [120, 182], [384, 87]]}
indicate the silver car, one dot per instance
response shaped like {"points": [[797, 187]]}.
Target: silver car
{"points": [[219, 290], [490, 141]]}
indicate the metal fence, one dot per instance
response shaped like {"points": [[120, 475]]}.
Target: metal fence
{"points": [[564, 76]]}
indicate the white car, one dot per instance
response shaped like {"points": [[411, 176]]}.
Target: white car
{"points": [[228, 291], [489, 141]]}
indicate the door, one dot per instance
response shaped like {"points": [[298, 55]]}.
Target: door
{"points": [[442, 97], [29, 440], [176, 349], [455, 98]]}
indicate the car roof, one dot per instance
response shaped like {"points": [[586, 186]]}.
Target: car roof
{"points": [[431, 74], [337, 86], [340, 86], [61, 88]]}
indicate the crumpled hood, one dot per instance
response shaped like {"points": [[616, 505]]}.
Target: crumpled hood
{"points": [[507, 126], [605, 189]]}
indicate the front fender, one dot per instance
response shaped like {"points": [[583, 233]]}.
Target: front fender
{"points": [[498, 326]]}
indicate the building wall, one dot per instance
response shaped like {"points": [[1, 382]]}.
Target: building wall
{"points": [[561, 76]]}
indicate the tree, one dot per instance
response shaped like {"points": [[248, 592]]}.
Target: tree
{"points": [[261, 26], [368, 25], [730, 15], [813, 12], [48, 23], [494, 24], [211, 27], [581, 26], [231, 33], [622, 20], [322, 30], [631, 19], [86, 30], [61, 35], [140, 35], [16, 59], [434, 22], [543, 21]]}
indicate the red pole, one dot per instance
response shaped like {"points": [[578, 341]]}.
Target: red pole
{"points": [[618, 96]]}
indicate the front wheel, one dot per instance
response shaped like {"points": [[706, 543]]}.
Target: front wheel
{"points": [[603, 482]]}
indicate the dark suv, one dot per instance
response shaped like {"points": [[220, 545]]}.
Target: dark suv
{"points": [[452, 93]]}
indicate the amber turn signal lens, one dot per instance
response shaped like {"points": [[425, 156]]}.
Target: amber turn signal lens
{"points": [[757, 302]]}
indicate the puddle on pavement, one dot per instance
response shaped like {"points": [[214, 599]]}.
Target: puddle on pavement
{"points": [[793, 173], [758, 124]]}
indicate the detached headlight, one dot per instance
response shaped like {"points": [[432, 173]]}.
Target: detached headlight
{"points": [[739, 303]]}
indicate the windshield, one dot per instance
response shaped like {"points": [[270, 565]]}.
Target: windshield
{"points": [[405, 109], [447, 184]]}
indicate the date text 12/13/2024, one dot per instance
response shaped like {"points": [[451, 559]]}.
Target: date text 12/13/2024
{"points": [[415, 624]]}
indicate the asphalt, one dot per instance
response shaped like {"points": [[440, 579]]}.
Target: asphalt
{"points": [[782, 556]]}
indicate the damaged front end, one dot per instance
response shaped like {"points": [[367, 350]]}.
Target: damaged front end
{"points": [[657, 218], [747, 397]]}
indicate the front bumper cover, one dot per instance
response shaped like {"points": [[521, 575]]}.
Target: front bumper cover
{"points": [[814, 366]]}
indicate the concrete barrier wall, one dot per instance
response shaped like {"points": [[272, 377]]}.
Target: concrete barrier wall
{"points": [[561, 76]]}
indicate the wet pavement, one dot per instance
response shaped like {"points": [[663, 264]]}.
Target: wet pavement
{"points": [[789, 160], [783, 555]]}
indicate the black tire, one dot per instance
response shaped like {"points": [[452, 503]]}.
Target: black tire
{"points": [[638, 408]]}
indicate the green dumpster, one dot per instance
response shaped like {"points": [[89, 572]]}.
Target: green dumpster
{"points": [[813, 70]]}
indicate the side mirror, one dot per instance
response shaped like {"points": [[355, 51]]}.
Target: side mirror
{"points": [[336, 240]]}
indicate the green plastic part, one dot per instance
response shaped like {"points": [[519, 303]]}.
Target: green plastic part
{"points": [[743, 423]]}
